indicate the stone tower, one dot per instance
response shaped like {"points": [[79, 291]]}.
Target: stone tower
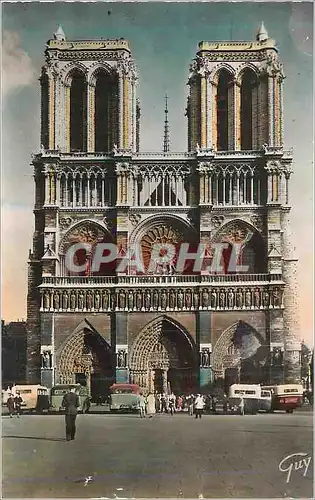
{"points": [[159, 327]]}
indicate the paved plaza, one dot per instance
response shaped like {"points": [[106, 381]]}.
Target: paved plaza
{"points": [[114, 456]]}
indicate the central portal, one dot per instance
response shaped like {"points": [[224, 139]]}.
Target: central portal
{"points": [[163, 359]]}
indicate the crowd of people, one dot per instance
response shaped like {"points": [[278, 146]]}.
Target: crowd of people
{"points": [[194, 404]]}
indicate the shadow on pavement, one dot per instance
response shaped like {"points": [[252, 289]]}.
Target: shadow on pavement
{"points": [[34, 437]]}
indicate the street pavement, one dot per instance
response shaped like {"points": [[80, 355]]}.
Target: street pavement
{"points": [[123, 456]]}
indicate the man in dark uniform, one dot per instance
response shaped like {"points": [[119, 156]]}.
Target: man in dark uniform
{"points": [[71, 403]]}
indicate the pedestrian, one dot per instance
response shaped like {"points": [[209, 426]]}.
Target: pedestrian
{"points": [[172, 403], [225, 403], [191, 404], [17, 404], [158, 403], [151, 405], [10, 405], [214, 404], [242, 406], [142, 404], [167, 403], [163, 403], [179, 403], [199, 405], [71, 403]]}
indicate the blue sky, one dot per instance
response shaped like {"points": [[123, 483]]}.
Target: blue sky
{"points": [[163, 38]]}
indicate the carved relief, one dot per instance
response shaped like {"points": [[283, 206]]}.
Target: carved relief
{"points": [[217, 221], [135, 219]]}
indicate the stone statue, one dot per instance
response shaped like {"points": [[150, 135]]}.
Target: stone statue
{"points": [[205, 298], [196, 300], [46, 359], [130, 300], [81, 301], [155, 299], [257, 298], [163, 300], [172, 299], [46, 300], [65, 301], [213, 300], [97, 301], [180, 299], [113, 301], [121, 359], [248, 298], [122, 300], [266, 298], [277, 356], [239, 298], [73, 300], [148, 300], [89, 301], [231, 299], [205, 358], [139, 300], [222, 299], [188, 300], [56, 300], [105, 300], [276, 298]]}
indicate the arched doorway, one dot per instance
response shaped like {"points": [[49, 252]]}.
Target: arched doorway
{"points": [[163, 358], [86, 359], [240, 356]]}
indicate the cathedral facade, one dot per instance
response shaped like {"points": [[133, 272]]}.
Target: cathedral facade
{"points": [[157, 327]]}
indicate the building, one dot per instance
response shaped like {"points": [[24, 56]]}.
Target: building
{"points": [[13, 344], [161, 328]]}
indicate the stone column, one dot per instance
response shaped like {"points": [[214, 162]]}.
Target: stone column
{"points": [[214, 118], [126, 113], [51, 108], [67, 117], [271, 108], [121, 111], [237, 116], [232, 118], [91, 118], [203, 112]]}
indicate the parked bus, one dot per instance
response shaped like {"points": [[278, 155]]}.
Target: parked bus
{"points": [[35, 397], [58, 391], [285, 397], [266, 400], [124, 397], [251, 394]]}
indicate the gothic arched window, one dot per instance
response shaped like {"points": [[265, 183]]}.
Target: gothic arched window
{"points": [[78, 112], [223, 114], [105, 112], [44, 111], [247, 108]]}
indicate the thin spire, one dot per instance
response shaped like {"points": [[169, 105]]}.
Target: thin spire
{"points": [[262, 33], [166, 142]]}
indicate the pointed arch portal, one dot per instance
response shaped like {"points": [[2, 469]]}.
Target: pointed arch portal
{"points": [[163, 358], [240, 355], [86, 358]]}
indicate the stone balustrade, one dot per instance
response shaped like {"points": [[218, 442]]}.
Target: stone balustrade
{"points": [[147, 280]]}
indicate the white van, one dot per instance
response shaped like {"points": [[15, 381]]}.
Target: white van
{"points": [[251, 394]]}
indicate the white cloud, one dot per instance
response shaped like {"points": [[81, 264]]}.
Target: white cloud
{"points": [[17, 66]]}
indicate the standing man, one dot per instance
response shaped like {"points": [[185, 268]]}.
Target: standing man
{"points": [[142, 403], [10, 405], [17, 403], [199, 405], [71, 403]]}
